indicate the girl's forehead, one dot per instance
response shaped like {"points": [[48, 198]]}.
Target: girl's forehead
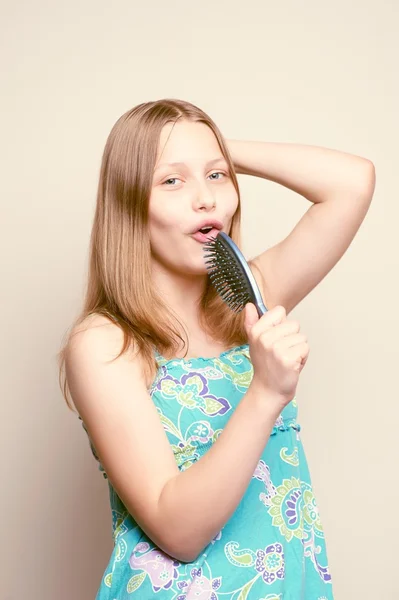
{"points": [[185, 141]]}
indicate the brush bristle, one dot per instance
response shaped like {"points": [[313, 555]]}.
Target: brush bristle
{"points": [[225, 275]]}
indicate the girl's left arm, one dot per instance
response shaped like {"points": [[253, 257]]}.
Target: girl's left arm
{"points": [[340, 187]]}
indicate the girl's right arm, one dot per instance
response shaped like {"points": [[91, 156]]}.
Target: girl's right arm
{"points": [[181, 512]]}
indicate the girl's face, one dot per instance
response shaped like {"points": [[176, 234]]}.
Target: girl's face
{"points": [[185, 195]]}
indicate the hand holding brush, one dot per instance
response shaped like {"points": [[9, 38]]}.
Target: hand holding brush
{"points": [[277, 348]]}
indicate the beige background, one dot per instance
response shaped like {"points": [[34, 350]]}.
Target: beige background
{"points": [[321, 73]]}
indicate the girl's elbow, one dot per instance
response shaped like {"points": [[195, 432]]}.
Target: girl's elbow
{"points": [[185, 549], [184, 554], [367, 183]]}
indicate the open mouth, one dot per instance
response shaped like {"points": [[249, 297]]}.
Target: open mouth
{"points": [[205, 234], [206, 230]]}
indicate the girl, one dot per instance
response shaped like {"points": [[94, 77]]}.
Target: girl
{"points": [[189, 407]]}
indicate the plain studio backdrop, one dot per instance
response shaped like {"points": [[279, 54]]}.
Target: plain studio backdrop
{"points": [[322, 73]]}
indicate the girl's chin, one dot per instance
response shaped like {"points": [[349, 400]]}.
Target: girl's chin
{"points": [[195, 267]]}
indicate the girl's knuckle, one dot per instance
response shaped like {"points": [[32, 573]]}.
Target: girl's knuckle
{"points": [[296, 326]]}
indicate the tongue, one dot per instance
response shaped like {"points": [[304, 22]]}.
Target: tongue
{"points": [[204, 237]]}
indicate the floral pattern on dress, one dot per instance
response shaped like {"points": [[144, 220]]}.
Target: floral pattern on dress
{"points": [[264, 549]]}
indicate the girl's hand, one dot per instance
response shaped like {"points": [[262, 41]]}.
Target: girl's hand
{"points": [[278, 352]]}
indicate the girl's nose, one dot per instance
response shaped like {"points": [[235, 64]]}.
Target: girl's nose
{"points": [[204, 198]]}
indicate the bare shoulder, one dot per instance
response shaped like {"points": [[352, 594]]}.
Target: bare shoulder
{"points": [[100, 338], [97, 331], [93, 353]]}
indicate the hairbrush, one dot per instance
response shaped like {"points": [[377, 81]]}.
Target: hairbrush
{"points": [[230, 274]]}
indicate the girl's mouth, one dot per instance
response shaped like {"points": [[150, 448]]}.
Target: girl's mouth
{"points": [[204, 235]]}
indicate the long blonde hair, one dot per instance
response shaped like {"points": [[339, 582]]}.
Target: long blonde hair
{"points": [[119, 283]]}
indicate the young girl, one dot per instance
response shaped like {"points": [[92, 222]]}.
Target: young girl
{"points": [[189, 407]]}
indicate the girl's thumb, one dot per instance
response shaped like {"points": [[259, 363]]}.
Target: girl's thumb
{"points": [[251, 316]]}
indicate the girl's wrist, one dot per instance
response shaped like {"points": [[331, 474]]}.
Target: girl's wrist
{"points": [[267, 401]]}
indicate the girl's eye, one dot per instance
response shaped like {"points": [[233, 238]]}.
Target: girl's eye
{"points": [[177, 179], [171, 179], [217, 173]]}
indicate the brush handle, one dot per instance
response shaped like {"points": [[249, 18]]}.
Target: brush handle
{"points": [[261, 308], [258, 300]]}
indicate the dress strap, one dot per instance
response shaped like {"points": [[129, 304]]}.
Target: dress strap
{"points": [[158, 356]]}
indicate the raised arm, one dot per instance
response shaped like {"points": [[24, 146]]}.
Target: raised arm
{"points": [[340, 187]]}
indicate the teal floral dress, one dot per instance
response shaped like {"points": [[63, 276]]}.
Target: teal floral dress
{"points": [[272, 548]]}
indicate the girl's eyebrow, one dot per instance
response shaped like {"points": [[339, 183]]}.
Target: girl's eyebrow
{"points": [[181, 164]]}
